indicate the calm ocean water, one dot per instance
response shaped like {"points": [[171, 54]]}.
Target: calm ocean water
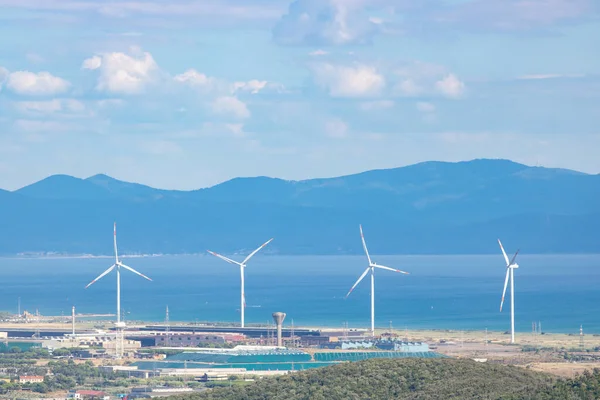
{"points": [[442, 292]]}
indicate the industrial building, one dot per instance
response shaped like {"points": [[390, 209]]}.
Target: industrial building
{"points": [[250, 332], [185, 339], [130, 371], [383, 344], [243, 359]]}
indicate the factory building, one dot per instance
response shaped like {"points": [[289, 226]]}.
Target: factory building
{"points": [[382, 344], [130, 371], [190, 339]]}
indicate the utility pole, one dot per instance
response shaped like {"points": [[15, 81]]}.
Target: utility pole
{"points": [[581, 344]]}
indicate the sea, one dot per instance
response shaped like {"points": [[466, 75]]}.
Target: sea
{"points": [[459, 292]]}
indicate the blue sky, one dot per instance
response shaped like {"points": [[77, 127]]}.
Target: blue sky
{"points": [[185, 94]]}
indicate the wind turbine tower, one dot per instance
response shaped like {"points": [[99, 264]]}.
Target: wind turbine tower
{"points": [[371, 268], [242, 267], [168, 327], [510, 273], [118, 265]]}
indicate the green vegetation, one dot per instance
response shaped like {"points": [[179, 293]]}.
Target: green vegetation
{"points": [[418, 379], [64, 374]]}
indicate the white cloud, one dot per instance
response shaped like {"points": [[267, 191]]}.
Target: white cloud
{"points": [[123, 73], [324, 22], [200, 81], [419, 79], [36, 84], [50, 106], [236, 129], [349, 81], [92, 63], [336, 128], [425, 107], [254, 86], [317, 53], [409, 87], [228, 105], [450, 86], [194, 78]]}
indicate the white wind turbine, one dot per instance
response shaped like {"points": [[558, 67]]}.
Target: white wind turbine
{"points": [[118, 264], [510, 268], [242, 266], [371, 267]]}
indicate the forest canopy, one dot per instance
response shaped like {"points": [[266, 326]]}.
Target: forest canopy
{"points": [[415, 379]]}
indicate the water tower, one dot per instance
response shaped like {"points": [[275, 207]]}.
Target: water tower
{"points": [[278, 317]]}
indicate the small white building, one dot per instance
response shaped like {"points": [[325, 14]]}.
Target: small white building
{"points": [[87, 395]]}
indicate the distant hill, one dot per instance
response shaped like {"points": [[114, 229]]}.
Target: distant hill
{"points": [[426, 208], [414, 379]]}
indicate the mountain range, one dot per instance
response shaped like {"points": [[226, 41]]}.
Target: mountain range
{"points": [[426, 208]]}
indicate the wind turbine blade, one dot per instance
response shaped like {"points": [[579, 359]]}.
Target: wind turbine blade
{"points": [[358, 281], [505, 284], [365, 244], [134, 271], [503, 252], [256, 251], [101, 276], [515, 256], [389, 269], [229, 260]]}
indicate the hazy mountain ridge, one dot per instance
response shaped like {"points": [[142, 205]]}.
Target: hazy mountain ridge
{"points": [[431, 207]]}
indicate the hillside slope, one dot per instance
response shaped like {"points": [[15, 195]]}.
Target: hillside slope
{"points": [[427, 208], [414, 379]]}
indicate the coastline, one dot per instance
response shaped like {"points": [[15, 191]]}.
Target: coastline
{"points": [[436, 336]]}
